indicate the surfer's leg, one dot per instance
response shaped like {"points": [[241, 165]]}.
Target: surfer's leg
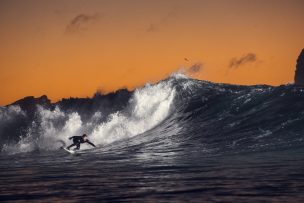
{"points": [[71, 146], [77, 146]]}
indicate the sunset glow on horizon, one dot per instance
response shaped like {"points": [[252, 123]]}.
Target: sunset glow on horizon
{"points": [[74, 48]]}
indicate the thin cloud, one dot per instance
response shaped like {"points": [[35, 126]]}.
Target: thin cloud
{"points": [[195, 68], [79, 22], [151, 28], [237, 62], [162, 22]]}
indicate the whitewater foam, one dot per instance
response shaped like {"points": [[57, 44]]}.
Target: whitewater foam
{"points": [[147, 107]]}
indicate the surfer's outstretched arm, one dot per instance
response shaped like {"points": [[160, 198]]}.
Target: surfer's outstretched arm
{"points": [[71, 137], [90, 143]]}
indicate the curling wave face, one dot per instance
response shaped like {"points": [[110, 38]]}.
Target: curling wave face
{"points": [[179, 115]]}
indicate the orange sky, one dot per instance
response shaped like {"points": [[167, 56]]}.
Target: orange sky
{"points": [[72, 48]]}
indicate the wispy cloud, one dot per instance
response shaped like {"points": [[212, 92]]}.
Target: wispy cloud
{"points": [[195, 68], [151, 28], [155, 26], [247, 58], [79, 22]]}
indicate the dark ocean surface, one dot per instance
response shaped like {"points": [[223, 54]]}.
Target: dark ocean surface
{"points": [[180, 140]]}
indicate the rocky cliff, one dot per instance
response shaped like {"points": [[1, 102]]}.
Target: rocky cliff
{"points": [[299, 74]]}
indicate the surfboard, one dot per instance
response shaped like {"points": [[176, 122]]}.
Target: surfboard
{"points": [[70, 151]]}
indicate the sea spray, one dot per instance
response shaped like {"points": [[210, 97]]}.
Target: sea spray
{"points": [[147, 107]]}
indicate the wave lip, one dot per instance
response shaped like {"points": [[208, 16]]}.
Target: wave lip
{"points": [[147, 108]]}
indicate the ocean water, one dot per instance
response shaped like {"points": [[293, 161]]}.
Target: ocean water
{"points": [[180, 140]]}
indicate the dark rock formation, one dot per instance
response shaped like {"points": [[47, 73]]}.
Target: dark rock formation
{"points": [[29, 104], [86, 107], [299, 74]]}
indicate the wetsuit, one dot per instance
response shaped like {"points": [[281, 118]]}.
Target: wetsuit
{"points": [[77, 140]]}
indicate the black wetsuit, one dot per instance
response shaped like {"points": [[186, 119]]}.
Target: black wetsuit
{"points": [[77, 140]]}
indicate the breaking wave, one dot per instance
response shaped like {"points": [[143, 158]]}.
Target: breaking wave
{"points": [[177, 114], [146, 108]]}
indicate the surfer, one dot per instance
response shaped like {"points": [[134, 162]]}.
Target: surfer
{"points": [[77, 140]]}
